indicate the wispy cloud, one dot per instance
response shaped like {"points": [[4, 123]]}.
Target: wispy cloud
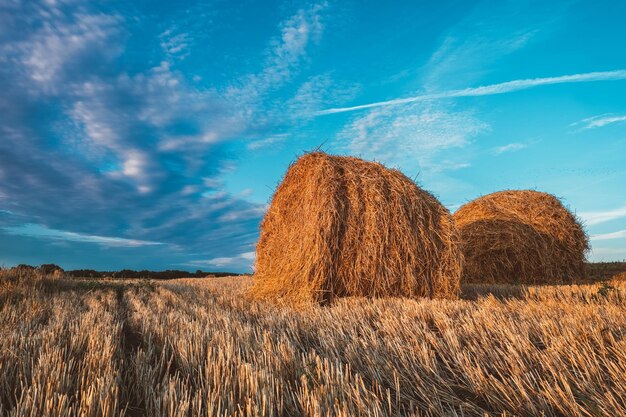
{"points": [[461, 60], [42, 232], [596, 217], [416, 133], [599, 121], [316, 93], [254, 212], [607, 236], [511, 147], [66, 48], [473, 46], [175, 44], [244, 105], [133, 147], [492, 89], [422, 132], [246, 257], [283, 58], [267, 142]]}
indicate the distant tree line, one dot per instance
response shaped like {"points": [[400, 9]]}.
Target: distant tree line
{"points": [[124, 273]]}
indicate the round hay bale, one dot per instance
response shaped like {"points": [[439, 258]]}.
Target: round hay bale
{"points": [[525, 236], [340, 226]]}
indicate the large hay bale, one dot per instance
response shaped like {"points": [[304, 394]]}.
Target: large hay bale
{"points": [[523, 236], [340, 226]]}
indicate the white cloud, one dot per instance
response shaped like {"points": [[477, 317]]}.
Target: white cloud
{"points": [[282, 60], [264, 143], [600, 121], [240, 106], [211, 136], [316, 93], [107, 131], [446, 165], [174, 44], [607, 236], [43, 232], [596, 217], [511, 147], [296, 34], [492, 89], [59, 46], [215, 261], [130, 118], [247, 257], [461, 59], [213, 183], [413, 134], [135, 165], [249, 213], [472, 47]]}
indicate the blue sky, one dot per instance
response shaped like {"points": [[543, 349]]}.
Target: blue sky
{"points": [[152, 134]]}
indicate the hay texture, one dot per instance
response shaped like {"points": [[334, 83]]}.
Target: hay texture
{"points": [[340, 226], [526, 237]]}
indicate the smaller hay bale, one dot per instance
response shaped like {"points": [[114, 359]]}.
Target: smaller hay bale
{"points": [[520, 237], [340, 226]]}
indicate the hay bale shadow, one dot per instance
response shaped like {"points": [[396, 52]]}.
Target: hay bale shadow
{"points": [[473, 292]]}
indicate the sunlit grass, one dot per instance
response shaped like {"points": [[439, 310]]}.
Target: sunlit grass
{"points": [[200, 348]]}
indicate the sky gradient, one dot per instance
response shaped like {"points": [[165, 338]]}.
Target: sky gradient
{"points": [[152, 134]]}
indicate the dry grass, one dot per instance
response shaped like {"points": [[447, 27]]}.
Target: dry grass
{"points": [[521, 237], [341, 226], [59, 353], [198, 348]]}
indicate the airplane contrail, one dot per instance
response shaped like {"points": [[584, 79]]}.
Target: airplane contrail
{"points": [[487, 90]]}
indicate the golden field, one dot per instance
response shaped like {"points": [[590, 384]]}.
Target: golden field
{"points": [[199, 347]]}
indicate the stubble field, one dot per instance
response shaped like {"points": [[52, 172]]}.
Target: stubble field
{"points": [[199, 347]]}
